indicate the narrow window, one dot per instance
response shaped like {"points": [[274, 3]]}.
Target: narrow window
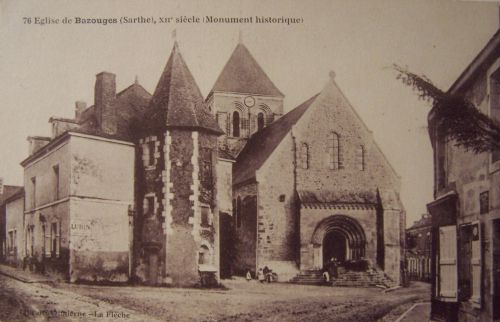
{"points": [[203, 255], [53, 239], [304, 156], [206, 170], [149, 205], [260, 121], [484, 202], [235, 214], [151, 153], [10, 241], [360, 158], [236, 124], [33, 192], [56, 182], [333, 150], [205, 214], [46, 241]]}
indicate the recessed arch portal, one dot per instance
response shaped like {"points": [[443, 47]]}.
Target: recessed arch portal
{"points": [[338, 236]]}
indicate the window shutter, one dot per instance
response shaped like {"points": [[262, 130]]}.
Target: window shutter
{"points": [[447, 264], [476, 263]]}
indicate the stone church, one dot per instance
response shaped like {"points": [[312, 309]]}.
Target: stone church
{"points": [[209, 187], [308, 185]]}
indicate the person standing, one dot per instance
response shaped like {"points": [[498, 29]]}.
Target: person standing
{"points": [[260, 275]]}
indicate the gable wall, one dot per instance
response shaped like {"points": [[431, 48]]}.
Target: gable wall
{"points": [[331, 112]]}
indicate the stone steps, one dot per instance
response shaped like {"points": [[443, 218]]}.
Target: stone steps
{"points": [[370, 278], [363, 279], [309, 277]]}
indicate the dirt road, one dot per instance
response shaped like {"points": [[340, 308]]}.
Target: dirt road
{"points": [[241, 301]]}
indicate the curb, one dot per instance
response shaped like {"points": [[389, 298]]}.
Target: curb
{"points": [[411, 309]]}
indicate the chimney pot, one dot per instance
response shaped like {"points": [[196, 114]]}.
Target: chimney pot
{"points": [[80, 106]]}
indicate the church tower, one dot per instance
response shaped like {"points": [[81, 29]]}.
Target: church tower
{"points": [[243, 99], [176, 225]]}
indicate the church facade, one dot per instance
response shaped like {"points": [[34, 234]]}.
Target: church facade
{"points": [[209, 186]]}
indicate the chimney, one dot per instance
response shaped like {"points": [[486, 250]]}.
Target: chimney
{"points": [[80, 106], [104, 96], [37, 142]]}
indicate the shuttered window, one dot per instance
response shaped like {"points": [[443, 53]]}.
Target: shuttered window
{"points": [[476, 263], [447, 264]]}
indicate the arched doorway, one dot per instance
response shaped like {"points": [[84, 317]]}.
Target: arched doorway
{"points": [[334, 246], [338, 236]]}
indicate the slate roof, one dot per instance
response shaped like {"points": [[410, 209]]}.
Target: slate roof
{"points": [[177, 100], [260, 146], [242, 74]]}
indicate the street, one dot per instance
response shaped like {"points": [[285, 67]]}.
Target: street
{"points": [[238, 301]]}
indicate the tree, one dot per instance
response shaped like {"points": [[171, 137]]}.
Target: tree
{"points": [[456, 116]]}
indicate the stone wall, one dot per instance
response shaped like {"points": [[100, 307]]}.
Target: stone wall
{"points": [[278, 215], [100, 238], [246, 231]]}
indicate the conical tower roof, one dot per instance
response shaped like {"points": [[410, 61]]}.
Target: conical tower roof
{"points": [[242, 74], [177, 101]]}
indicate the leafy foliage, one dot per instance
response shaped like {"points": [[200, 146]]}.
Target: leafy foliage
{"points": [[456, 117]]}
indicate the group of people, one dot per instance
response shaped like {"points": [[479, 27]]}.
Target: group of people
{"points": [[331, 270], [263, 275]]}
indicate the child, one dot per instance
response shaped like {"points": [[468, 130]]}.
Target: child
{"points": [[249, 276]]}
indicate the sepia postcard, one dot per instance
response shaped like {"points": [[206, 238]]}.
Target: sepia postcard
{"points": [[326, 160]]}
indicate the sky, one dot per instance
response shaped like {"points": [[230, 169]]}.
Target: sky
{"points": [[44, 69]]}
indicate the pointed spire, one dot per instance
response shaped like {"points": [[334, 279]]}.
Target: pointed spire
{"points": [[243, 74], [177, 101], [136, 80], [174, 38]]}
